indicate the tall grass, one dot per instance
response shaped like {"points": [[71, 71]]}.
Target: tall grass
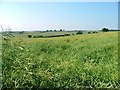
{"points": [[82, 61], [0, 60]]}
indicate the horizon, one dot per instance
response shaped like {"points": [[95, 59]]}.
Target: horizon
{"points": [[59, 15]]}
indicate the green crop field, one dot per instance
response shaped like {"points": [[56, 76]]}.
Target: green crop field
{"points": [[76, 61]]}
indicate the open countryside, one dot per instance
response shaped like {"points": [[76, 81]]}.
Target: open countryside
{"points": [[76, 61], [59, 45]]}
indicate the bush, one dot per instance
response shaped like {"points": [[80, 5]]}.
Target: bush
{"points": [[79, 32], [37, 36], [60, 30], [67, 34], [105, 29], [47, 30], [29, 36], [89, 32], [94, 32]]}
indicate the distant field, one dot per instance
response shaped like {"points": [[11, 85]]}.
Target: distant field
{"points": [[0, 60], [76, 61], [25, 34]]}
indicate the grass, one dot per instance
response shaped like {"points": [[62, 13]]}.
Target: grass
{"points": [[79, 61], [0, 60], [25, 34]]}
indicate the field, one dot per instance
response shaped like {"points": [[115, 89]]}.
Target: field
{"points": [[76, 61], [0, 60]]}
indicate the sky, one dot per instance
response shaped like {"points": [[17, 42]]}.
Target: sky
{"points": [[60, 0], [22, 16]]}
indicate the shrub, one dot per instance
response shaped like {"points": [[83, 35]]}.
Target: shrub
{"points": [[47, 30], [60, 30], [60, 35], [21, 32], [94, 32], [105, 29], [67, 34], [37, 36], [79, 32], [29, 36], [89, 32]]}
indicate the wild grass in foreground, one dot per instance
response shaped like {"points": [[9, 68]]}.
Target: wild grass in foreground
{"points": [[81, 61]]}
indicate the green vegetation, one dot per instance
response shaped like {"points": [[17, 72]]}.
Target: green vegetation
{"points": [[78, 61], [41, 33], [79, 32], [29, 36], [105, 29], [0, 60]]}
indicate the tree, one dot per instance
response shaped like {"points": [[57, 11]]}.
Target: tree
{"points": [[29, 36], [89, 32], [21, 32], [94, 32], [79, 32], [60, 30], [63, 29], [47, 30], [105, 29]]}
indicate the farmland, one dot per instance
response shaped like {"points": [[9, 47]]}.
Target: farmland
{"points": [[76, 61]]}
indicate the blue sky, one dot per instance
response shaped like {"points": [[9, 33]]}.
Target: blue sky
{"points": [[59, 15]]}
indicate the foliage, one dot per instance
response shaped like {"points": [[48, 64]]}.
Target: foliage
{"points": [[94, 31], [29, 36], [60, 30], [89, 32], [37, 36], [105, 29], [79, 32], [67, 34], [47, 30], [81, 61]]}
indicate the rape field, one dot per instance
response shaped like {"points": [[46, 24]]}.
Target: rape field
{"points": [[79, 61]]}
